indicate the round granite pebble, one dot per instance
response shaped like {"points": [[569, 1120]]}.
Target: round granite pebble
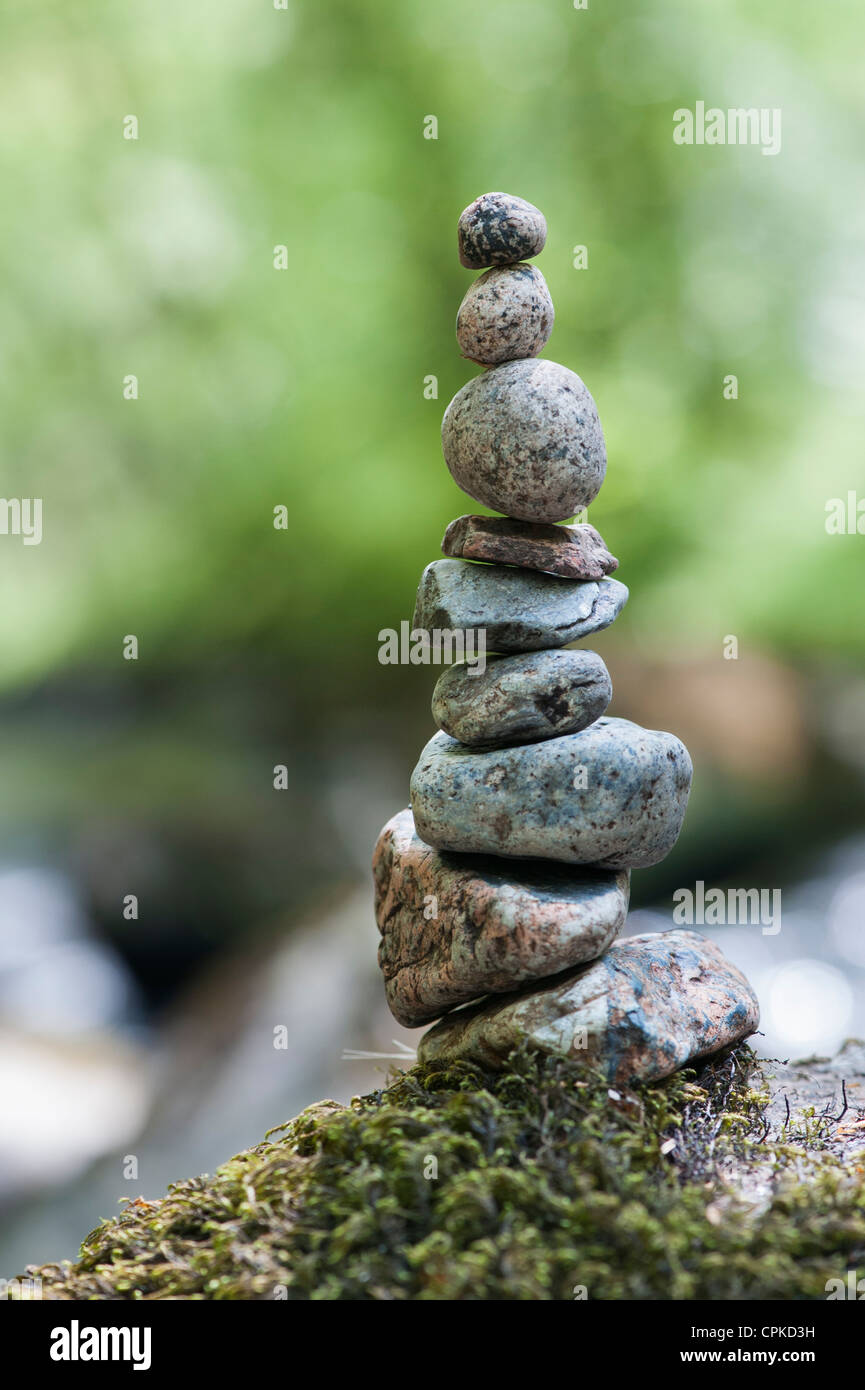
{"points": [[499, 229], [525, 439], [507, 313], [521, 699]]}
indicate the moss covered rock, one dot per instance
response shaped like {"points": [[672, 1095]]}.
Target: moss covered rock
{"points": [[742, 1181]]}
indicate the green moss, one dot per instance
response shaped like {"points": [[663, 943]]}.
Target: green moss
{"points": [[453, 1184]]}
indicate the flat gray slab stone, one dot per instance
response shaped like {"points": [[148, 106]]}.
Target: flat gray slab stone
{"points": [[522, 698], [613, 796], [518, 609], [574, 552], [650, 1005], [454, 927]]}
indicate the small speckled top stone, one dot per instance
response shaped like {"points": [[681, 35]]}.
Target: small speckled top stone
{"points": [[499, 229], [652, 1004], [519, 610], [525, 439], [507, 313], [489, 931], [613, 795], [521, 699]]}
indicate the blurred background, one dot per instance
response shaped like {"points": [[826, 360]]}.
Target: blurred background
{"points": [[139, 1049]]}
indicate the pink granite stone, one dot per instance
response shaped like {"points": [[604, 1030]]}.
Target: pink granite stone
{"points": [[455, 926], [575, 552]]}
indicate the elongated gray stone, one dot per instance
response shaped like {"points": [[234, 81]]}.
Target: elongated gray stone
{"points": [[652, 1004], [521, 699], [525, 439], [506, 314], [520, 610], [574, 552], [499, 229], [457, 926], [613, 796]]}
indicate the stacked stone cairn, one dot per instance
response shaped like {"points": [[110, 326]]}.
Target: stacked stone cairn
{"points": [[501, 892]]}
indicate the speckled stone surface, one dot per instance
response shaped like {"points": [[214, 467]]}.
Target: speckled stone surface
{"points": [[507, 313], [454, 927], [520, 610], [521, 699], [652, 1004], [574, 552], [499, 229], [524, 438], [613, 795]]}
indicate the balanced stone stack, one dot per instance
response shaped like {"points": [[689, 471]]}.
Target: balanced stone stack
{"points": [[501, 892]]}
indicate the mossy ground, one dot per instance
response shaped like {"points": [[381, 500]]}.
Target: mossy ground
{"points": [[451, 1184]]}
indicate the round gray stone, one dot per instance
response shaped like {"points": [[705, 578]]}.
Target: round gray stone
{"points": [[519, 610], [507, 313], [525, 439], [521, 699], [499, 229], [613, 795]]}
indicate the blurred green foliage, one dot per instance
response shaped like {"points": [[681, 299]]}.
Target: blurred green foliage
{"points": [[304, 127]]}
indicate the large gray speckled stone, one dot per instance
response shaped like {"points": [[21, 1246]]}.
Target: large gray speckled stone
{"points": [[613, 795], [575, 552], [499, 229], [652, 1004], [455, 926], [525, 439], [520, 610], [521, 699], [507, 313]]}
